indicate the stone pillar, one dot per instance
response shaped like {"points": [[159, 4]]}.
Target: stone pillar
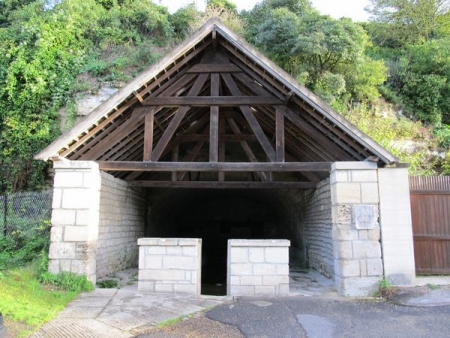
{"points": [[170, 265], [356, 232], [258, 267], [396, 226], [75, 218]]}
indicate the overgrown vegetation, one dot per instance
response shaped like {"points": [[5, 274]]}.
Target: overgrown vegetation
{"points": [[50, 51]]}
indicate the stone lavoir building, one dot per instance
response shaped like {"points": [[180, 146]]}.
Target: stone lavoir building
{"points": [[215, 167]]}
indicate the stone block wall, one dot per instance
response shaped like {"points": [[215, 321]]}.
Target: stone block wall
{"points": [[122, 216], [316, 226], [170, 265], [75, 214], [396, 226], [356, 232], [258, 267]]}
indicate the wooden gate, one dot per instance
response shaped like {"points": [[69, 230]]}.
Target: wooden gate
{"points": [[430, 211]]}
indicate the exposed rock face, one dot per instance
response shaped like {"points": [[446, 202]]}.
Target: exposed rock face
{"points": [[86, 104]]}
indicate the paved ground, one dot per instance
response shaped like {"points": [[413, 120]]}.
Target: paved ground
{"points": [[313, 310]]}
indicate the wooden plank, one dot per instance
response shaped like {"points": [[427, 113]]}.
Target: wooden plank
{"points": [[206, 101], [248, 114], [215, 68], [248, 151], [191, 157], [279, 130], [215, 166], [175, 122], [214, 121], [222, 129], [174, 159], [224, 185], [148, 136], [430, 192], [115, 136]]}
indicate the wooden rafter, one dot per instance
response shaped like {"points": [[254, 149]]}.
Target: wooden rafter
{"points": [[248, 114], [224, 185]]}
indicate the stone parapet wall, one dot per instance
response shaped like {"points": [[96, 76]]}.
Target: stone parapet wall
{"points": [[122, 221], [356, 232], [258, 267], [317, 226], [76, 200], [170, 265]]}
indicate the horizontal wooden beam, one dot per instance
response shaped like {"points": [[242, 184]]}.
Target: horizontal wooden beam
{"points": [[225, 137], [206, 101], [224, 185], [214, 167], [215, 68]]}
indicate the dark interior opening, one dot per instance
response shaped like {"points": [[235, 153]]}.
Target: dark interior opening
{"points": [[216, 216]]}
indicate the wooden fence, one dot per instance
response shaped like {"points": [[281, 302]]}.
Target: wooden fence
{"points": [[430, 211]]}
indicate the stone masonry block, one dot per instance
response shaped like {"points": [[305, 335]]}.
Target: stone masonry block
{"points": [[366, 249], [256, 255], [82, 217], [174, 250], [241, 269], [374, 267], [357, 286], [339, 176], [162, 275], [53, 266], [144, 285], [185, 288], [373, 234], [179, 262], [61, 250], [189, 250], [63, 217], [346, 193], [56, 234], [156, 250], [342, 213], [239, 255], [57, 198], [282, 269], [76, 199], [343, 249], [347, 268], [251, 280], [369, 193], [68, 179], [152, 262], [276, 255], [364, 176], [235, 280], [344, 234], [283, 289], [264, 269], [75, 233], [265, 290]]}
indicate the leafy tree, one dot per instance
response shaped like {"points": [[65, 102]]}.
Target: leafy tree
{"points": [[401, 22], [225, 4]]}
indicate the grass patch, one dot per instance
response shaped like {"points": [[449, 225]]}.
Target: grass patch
{"points": [[108, 284], [384, 288], [172, 321], [24, 300]]}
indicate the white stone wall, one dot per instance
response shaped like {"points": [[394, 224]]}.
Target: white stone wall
{"points": [[76, 199], [258, 267], [170, 265], [396, 226], [122, 221], [357, 252], [316, 228]]}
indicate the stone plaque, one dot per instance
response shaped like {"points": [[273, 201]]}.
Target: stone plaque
{"points": [[364, 217]]}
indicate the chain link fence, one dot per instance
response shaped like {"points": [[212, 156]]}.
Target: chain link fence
{"points": [[25, 214]]}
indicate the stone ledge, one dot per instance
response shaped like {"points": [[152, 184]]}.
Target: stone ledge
{"points": [[353, 165], [259, 243], [169, 241]]}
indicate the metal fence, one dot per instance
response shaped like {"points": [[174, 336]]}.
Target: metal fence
{"points": [[25, 214]]}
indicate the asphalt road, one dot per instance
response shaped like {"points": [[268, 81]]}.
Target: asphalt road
{"points": [[316, 317]]}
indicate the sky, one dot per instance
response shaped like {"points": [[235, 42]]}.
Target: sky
{"points": [[353, 9]]}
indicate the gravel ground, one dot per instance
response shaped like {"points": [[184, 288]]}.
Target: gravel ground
{"points": [[197, 327]]}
